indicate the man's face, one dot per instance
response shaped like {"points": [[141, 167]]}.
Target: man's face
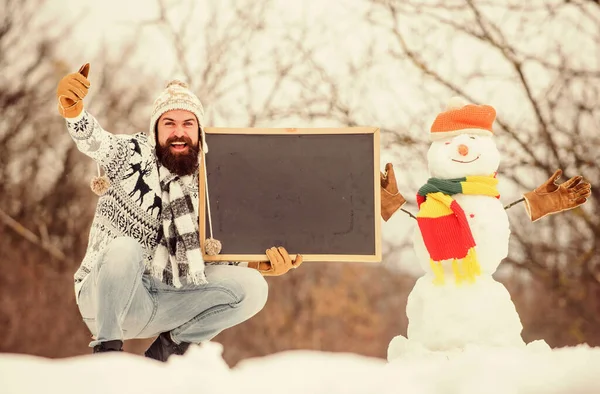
{"points": [[177, 135]]}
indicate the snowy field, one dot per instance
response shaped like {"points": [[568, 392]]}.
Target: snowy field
{"points": [[202, 370]]}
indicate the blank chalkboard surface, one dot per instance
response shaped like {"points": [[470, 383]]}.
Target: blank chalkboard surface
{"points": [[313, 191]]}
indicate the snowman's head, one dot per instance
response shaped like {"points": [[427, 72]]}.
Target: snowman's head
{"points": [[462, 141], [463, 155]]}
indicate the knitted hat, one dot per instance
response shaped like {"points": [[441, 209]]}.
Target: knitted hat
{"points": [[177, 96], [461, 117]]}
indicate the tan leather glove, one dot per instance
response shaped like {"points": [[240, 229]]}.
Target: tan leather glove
{"points": [[70, 92], [391, 199], [551, 197], [279, 262]]}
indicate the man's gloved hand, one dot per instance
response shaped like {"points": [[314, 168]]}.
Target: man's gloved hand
{"points": [[279, 262], [551, 197], [70, 92], [391, 199]]}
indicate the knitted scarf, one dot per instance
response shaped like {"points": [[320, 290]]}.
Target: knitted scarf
{"points": [[178, 254], [444, 226]]}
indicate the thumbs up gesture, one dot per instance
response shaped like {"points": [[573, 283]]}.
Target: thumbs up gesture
{"points": [[70, 92]]}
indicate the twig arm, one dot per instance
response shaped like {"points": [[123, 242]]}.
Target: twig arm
{"points": [[408, 213], [512, 204]]}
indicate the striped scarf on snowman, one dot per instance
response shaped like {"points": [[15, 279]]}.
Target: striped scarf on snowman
{"points": [[444, 226]]}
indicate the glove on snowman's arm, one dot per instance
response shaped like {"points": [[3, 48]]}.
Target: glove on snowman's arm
{"points": [[391, 199], [551, 197]]}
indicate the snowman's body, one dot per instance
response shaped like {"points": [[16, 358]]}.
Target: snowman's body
{"points": [[452, 316]]}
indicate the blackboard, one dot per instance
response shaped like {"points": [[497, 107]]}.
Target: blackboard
{"points": [[313, 191]]}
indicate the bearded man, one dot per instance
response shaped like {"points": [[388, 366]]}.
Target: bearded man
{"points": [[143, 274]]}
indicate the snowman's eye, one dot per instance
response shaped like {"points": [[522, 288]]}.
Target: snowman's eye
{"points": [[446, 143], [472, 137]]}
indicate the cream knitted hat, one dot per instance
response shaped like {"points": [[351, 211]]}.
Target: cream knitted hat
{"points": [[177, 96]]}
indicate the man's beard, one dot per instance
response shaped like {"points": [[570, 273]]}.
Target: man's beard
{"points": [[184, 163]]}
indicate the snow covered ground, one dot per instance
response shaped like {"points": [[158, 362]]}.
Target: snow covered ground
{"points": [[202, 370]]}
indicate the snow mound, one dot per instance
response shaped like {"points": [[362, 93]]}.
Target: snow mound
{"points": [[202, 370]]}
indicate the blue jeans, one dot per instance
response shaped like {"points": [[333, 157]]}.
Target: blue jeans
{"points": [[118, 301]]}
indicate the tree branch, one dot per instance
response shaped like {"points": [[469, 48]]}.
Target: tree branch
{"points": [[31, 237]]}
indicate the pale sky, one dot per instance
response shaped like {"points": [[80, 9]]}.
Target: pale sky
{"points": [[114, 21]]}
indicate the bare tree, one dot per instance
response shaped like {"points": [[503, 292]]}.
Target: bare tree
{"points": [[248, 72], [537, 63], [46, 205]]}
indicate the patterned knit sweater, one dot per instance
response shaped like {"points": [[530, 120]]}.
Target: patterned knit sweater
{"points": [[132, 205]]}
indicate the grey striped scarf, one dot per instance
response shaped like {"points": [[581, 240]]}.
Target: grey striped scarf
{"points": [[178, 254]]}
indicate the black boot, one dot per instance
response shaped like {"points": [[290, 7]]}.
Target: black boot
{"points": [[164, 346], [109, 346]]}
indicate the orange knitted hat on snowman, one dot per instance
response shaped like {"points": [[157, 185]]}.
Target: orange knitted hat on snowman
{"points": [[461, 117]]}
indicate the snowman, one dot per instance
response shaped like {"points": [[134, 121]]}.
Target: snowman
{"points": [[462, 236]]}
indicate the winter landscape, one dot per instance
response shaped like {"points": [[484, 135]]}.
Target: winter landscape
{"points": [[489, 112]]}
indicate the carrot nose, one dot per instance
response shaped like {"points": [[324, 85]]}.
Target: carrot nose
{"points": [[463, 150]]}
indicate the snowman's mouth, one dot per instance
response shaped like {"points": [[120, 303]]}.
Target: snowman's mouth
{"points": [[464, 162]]}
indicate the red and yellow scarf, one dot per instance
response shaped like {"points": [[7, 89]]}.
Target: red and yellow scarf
{"points": [[444, 226]]}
